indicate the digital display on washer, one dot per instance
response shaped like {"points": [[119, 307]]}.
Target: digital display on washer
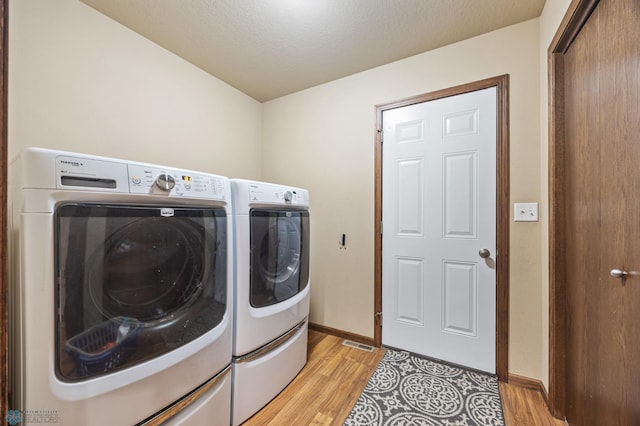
{"points": [[134, 283], [279, 255]]}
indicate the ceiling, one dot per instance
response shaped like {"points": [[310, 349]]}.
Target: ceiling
{"points": [[271, 48]]}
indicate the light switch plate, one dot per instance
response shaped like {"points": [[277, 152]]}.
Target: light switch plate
{"points": [[525, 212]]}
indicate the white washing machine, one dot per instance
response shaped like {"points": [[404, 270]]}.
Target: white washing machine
{"points": [[271, 292], [121, 292]]}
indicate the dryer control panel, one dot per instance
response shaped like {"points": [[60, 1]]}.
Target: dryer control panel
{"points": [[274, 194]]}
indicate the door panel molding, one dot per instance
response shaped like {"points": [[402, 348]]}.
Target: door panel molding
{"points": [[502, 208], [573, 21]]}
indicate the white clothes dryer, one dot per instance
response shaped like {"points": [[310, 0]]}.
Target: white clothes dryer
{"points": [[271, 292], [121, 291]]}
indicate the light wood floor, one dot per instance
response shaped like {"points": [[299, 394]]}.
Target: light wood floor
{"points": [[329, 385]]}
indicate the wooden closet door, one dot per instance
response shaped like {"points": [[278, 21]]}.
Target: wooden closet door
{"points": [[602, 217]]}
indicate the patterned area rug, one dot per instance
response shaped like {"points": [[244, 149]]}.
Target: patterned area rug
{"points": [[408, 390]]}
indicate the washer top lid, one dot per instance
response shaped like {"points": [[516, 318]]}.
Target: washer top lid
{"points": [[247, 194]]}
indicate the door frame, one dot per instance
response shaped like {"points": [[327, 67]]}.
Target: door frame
{"points": [[576, 16], [501, 83], [4, 345]]}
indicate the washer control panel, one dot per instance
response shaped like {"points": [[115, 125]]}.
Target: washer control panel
{"points": [[148, 179], [105, 175]]}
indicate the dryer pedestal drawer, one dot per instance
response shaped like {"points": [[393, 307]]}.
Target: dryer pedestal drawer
{"points": [[257, 380]]}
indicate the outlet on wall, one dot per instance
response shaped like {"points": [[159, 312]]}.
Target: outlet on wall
{"points": [[525, 212]]}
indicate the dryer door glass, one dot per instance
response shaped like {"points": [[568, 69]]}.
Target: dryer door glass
{"points": [[279, 255], [135, 283]]}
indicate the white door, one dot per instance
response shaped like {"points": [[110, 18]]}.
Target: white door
{"points": [[439, 216]]}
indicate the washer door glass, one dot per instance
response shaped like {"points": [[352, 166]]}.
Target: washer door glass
{"points": [[135, 283], [279, 255]]}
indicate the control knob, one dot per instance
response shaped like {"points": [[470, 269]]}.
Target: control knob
{"points": [[165, 181], [288, 196]]}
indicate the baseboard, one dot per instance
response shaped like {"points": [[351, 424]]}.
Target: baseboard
{"points": [[342, 334], [545, 396], [533, 384], [526, 382]]}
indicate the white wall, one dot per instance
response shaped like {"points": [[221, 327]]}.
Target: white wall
{"points": [[323, 139], [552, 14], [79, 81]]}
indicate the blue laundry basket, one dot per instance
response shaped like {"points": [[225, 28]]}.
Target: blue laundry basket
{"points": [[99, 349]]}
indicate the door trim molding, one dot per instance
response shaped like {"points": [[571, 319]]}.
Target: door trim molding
{"points": [[574, 19], [4, 65], [501, 83]]}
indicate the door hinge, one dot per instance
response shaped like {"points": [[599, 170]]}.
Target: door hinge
{"points": [[379, 315], [380, 227], [381, 133]]}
